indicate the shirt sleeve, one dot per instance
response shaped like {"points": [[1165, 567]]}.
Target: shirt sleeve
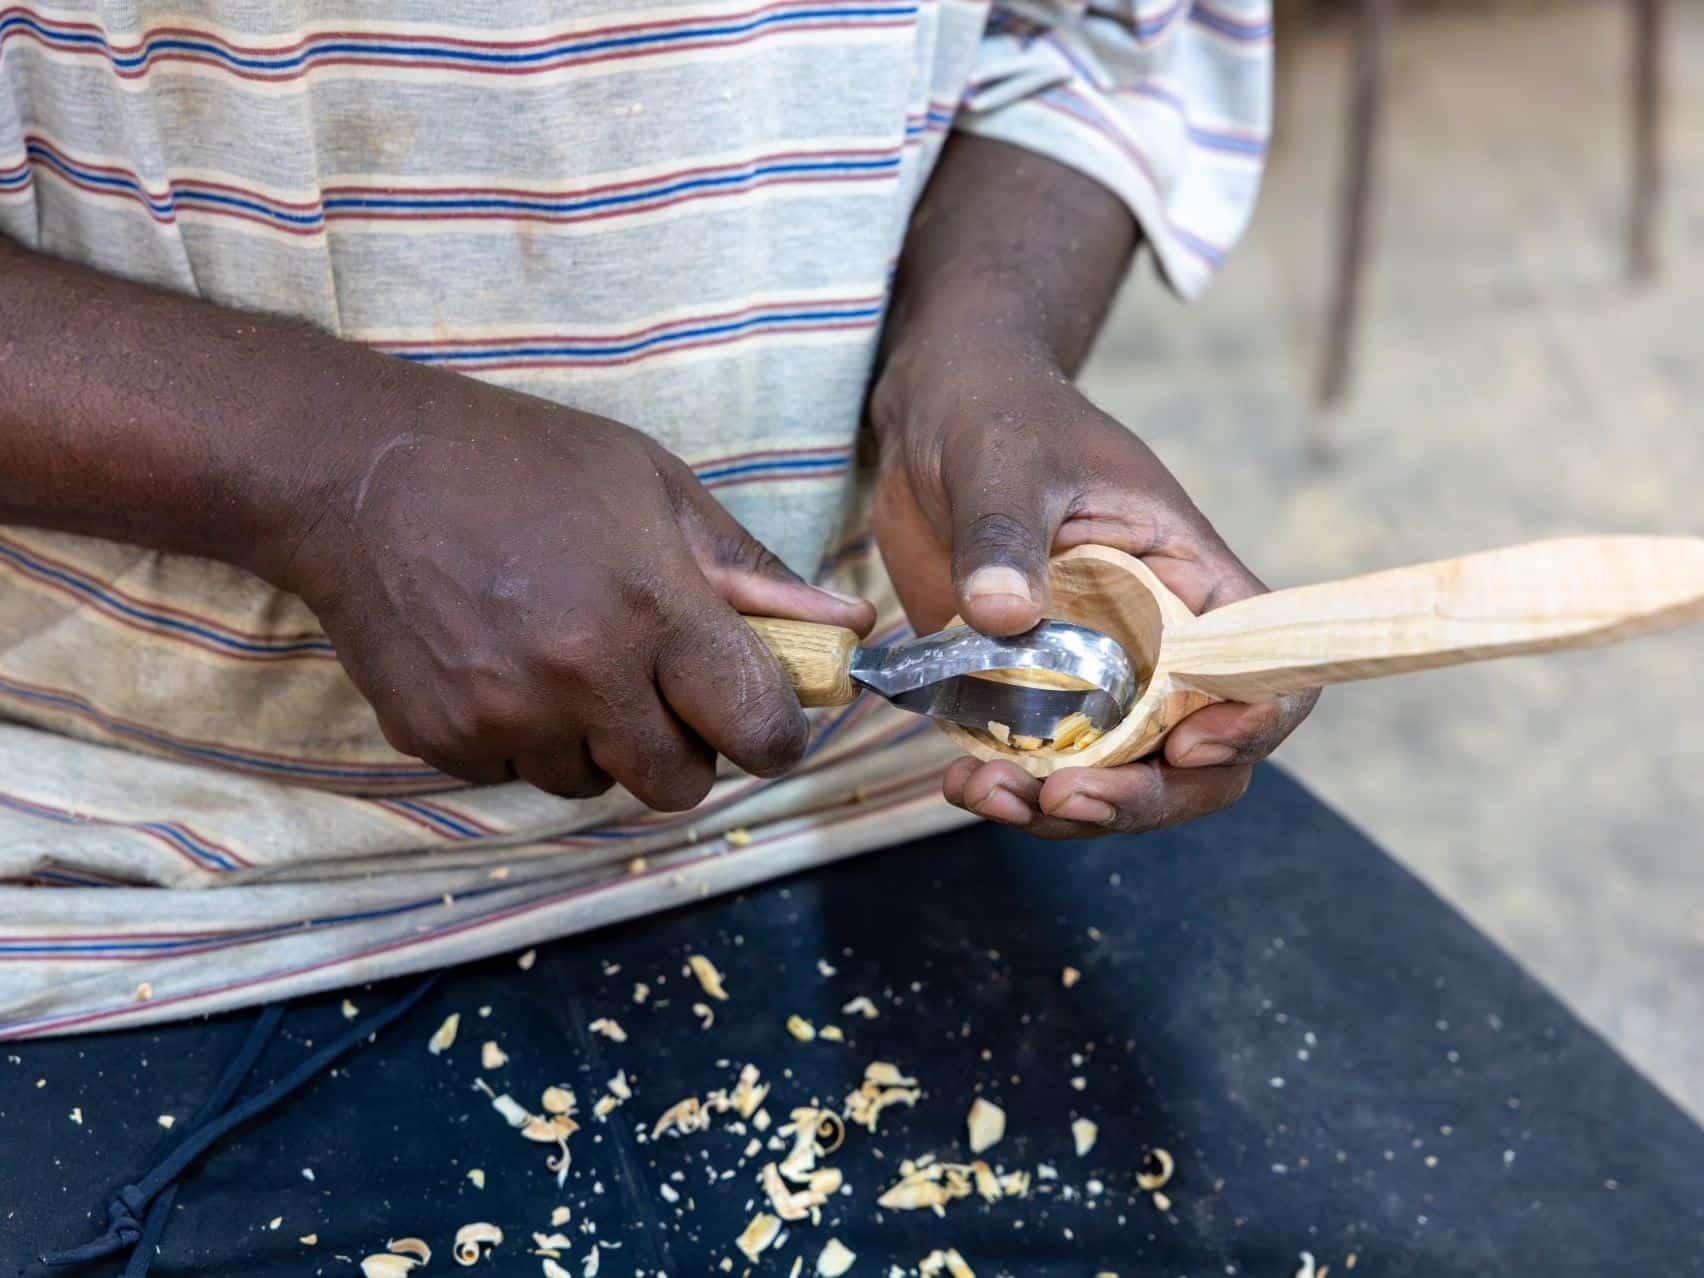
{"points": [[1166, 102]]}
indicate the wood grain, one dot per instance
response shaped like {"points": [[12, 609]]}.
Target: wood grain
{"points": [[817, 659]]}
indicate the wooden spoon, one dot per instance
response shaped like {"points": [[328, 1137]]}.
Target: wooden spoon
{"points": [[1546, 596]]}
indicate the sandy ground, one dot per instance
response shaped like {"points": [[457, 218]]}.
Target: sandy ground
{"points": [[1512, 385]]}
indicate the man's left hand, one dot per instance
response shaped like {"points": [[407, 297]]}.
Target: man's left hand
{"points": [[989, 463]]}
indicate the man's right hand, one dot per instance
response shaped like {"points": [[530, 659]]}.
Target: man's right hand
{"points": [[519, 589]]}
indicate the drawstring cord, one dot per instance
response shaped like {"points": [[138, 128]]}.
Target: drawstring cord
{"points": [[137, 1213]]}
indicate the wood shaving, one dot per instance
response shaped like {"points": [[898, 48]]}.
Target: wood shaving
{"points": [[834, 1259], [1084, 1133], [554, 1270], [166, 1121], [543, 1130], [560, 1216], [477, 1176], [558, 1100], [739, 837], [831, 1033], [607, 1026], [514, 1113], [1026, 743], [77, 1115], [1156, 1170], [798, 1264], [986, 1124], [641, 991], [683, 1118], [350, 1011], [987, 1183], [476, 1240], [414, 1247], [708, 976], [444, 1037], [1000, 732], [144, 992], [309, 1240], [949, 1260], [800, 1028], [492, 1057], [758, 1235], [706, 1017], [526, 960], [883, 1086], [860, 1006], [1069, 977], [555, 1244], [1162, 1201], [1307, 1269], [385, 1265], [787, 1202]]}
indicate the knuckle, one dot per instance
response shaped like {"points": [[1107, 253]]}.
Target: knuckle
{"points": [[1001, 535], [767, 733]]}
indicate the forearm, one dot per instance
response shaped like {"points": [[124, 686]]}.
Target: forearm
{"points": [[143, 416], [1007, 251]]}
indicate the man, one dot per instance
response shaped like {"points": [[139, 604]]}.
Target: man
{"points": [[390, 403]]}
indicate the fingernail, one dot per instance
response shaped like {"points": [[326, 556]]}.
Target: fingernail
{"points": [[1000, 804], [856, 601], [997, 579], [1086, 808], [1206, 754]]}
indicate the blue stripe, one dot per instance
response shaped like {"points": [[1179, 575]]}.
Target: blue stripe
{"points": [[321, 771], [159, 619], [436, 818], [176, 837], [411, 52], [627, 348], [1250, 31], [570, 205], [780, 464], [1227, 142]]}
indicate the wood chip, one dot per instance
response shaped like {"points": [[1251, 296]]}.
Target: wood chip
{"points": [[350, 1011], [641, 992], [1162, 1201], [1069, 977], [834, 1259], [386, 1265], [707, 975], [800, 1028], [1157, 1167], [144, 992], [860, 1006], [1084, 1133], [558, 1100], [554, 1270], [166, 1121], [526, 960], [309, 1240], [412, 1247], [949, 1260], [477, 1176], [739, 837], [445, 1036], [476, 1240], [831, 1033], [986, 1123], [758, 1235], [706, 1018], [607, 1026], [560, 1216], [492, 1057]]}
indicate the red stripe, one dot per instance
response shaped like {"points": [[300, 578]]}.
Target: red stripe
{"points": [[640, 356], [135, 827]]}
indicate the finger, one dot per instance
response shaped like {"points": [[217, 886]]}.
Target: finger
{"points": [[720, 679], [1001, 792], [952, 781], [1140, 796], [1005, 512], [568, 773], [1235, 732], [750, 578], [472, 771], [653, 755]]}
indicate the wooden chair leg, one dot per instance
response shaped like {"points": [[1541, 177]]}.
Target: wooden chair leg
{"points": [[1647, 94], [1349, 245]]}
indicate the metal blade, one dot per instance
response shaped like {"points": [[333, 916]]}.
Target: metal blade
{"points": [[1028, 712]]}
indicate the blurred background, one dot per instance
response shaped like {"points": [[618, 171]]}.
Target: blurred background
{"points": [[1521, 365]]}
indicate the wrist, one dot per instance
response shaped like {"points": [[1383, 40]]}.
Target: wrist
{"points": [[931, 377]]}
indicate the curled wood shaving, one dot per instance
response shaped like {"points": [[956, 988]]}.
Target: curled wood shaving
{"points": [[883, 1086], [860, 1006], [758, 1235], [986, 1124], [1156, 1170], [707, 975], [683, 1118], [834, 1259], [788, 1203], [491, 1056], [445, 1036], [800, 1028], [414, 1247], [607, 1026], [476, 1240], [385, 1265], [541, 1129], [1084, 1133]]}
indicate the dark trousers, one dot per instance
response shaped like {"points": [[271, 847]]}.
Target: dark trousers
{"points": [[1336, 1061]]}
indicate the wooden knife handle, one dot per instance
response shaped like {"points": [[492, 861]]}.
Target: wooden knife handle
{"points": [[1545, 596], [816, 658]]}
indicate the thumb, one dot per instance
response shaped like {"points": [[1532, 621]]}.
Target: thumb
{"points": [[755, 583], [1004, 521]]}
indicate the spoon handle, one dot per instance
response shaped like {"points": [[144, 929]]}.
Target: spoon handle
{"points": [[1545, 596]]}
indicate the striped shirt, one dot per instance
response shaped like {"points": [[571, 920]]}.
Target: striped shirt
{"points": [[681, 216]]}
